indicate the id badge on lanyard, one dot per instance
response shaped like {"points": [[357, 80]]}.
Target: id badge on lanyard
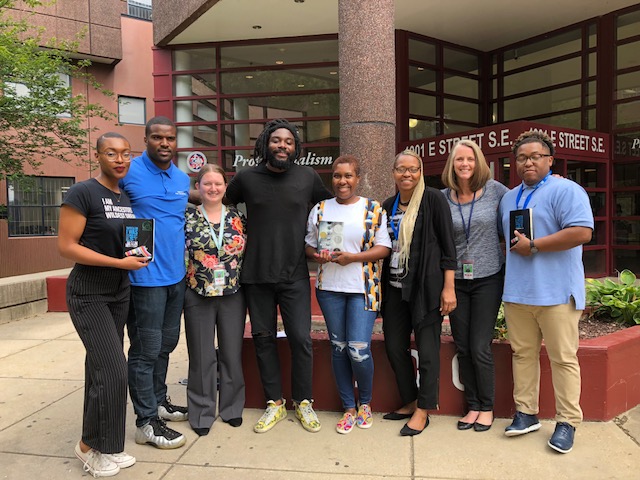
{"points": [[394, 262], [467, 260], [219, 277], [467, 268]]}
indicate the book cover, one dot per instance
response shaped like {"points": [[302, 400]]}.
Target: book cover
{"points": [[330, 236], [139, 237], [522, 221]]}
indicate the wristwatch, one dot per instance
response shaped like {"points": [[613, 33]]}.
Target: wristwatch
{"points": [[532, 247]]}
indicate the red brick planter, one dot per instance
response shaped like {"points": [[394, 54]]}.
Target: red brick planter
{"points": [[610, 377], [57, 294], [610, 372]]}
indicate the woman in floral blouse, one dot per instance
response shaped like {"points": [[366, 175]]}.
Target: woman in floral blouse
{"points": [[215, 241]]}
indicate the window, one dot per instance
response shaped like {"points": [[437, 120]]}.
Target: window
{"points": [[139, 9], [223, 95], [131, 110], [444, 88], [34, 205], [551, 80], [20, 90]]}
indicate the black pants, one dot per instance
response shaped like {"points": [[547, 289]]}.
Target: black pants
{"points": [[472, 326], [398, 325], [294, 300], [98, 302]]}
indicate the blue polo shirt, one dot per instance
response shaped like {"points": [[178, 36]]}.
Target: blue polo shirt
{"points": [[547, 278], [161, 195]]}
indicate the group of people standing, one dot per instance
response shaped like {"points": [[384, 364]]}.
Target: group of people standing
{"points": [[419, 256]]}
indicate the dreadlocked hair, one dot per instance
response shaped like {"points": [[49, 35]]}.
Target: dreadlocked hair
{"points": [[411, 214], [262, 142]]}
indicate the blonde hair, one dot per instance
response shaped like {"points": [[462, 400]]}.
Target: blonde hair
{"points": [[481, 173], [408, 222]]}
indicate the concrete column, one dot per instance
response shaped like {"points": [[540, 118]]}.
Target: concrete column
{"points": [[368, 90]]}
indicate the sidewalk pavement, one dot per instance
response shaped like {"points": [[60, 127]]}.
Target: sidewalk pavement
{"points": [[41, 393]]}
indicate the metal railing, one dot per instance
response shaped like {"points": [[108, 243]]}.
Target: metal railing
{"points": [[139, 10]]}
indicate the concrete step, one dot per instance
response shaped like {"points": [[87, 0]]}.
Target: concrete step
{"points": [[25, 295]]}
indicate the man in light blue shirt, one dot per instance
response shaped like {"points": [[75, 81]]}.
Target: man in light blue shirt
{"points": [[544, 292], [158, 190]]}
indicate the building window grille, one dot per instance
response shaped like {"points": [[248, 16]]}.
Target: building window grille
{"points": [[33, 205]]}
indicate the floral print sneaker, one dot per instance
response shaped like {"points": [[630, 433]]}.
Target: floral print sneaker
{"points": [[306, 415], [364, 419], [346, 423], [272, 415]]}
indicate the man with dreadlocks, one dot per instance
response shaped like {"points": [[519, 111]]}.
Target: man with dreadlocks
{"points": [[278, 194]]}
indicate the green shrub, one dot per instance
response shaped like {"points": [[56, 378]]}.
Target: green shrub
{"points": [[619, 301], [500, 329]]}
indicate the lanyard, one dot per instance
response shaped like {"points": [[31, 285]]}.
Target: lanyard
{"points": [[467, 227], [395, 227], [216, 239], [538, 185]]}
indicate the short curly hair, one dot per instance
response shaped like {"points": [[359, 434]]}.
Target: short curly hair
{"points": [[532, 136]]}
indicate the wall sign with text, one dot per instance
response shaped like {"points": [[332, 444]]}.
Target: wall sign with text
{"points": [[498, 139]]}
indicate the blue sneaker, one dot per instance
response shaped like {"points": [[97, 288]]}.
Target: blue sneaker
{"points": [[522, 423], [562, 438]]}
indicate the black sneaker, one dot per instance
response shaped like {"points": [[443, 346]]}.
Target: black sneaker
{"points": [[522, 423], [172, 413], [157, 433], [562, 438]]}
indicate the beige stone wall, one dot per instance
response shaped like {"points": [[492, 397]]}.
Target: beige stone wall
{"points": [[97, 22]]}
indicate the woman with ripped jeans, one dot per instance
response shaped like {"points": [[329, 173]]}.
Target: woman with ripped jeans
{"points": [[347, 235]]}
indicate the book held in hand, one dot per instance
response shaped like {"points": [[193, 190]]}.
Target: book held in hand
{"points": [[330, 236], [138, 237], [522, 221]]}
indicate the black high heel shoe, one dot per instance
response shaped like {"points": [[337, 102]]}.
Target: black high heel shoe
{"points": [[407, 431], [396, 416], [464, 425], [483, 427]]}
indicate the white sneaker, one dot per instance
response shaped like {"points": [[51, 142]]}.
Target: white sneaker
{"points": [[96, 463], [122, 459]]}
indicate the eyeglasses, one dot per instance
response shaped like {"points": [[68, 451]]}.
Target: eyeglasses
{"points": [[113, 156], [536, 157], [403, 170]]}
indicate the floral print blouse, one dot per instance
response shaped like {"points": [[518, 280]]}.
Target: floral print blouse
{"points": [[204, 256]]}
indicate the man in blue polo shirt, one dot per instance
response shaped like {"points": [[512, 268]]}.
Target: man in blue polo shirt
{"points": [[159, 190], [544, 292]]}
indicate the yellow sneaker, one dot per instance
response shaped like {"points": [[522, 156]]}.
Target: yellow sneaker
{"points": [[307, 417], [272, 415]]}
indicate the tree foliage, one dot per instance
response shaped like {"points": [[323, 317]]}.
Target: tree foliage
{"points": [[39, 116]]}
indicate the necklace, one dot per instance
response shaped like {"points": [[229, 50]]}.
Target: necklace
{"points": [[116, 196], [404, 204]]}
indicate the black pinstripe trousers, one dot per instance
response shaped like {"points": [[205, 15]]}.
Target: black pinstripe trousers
{"points": [[98, 301]]}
